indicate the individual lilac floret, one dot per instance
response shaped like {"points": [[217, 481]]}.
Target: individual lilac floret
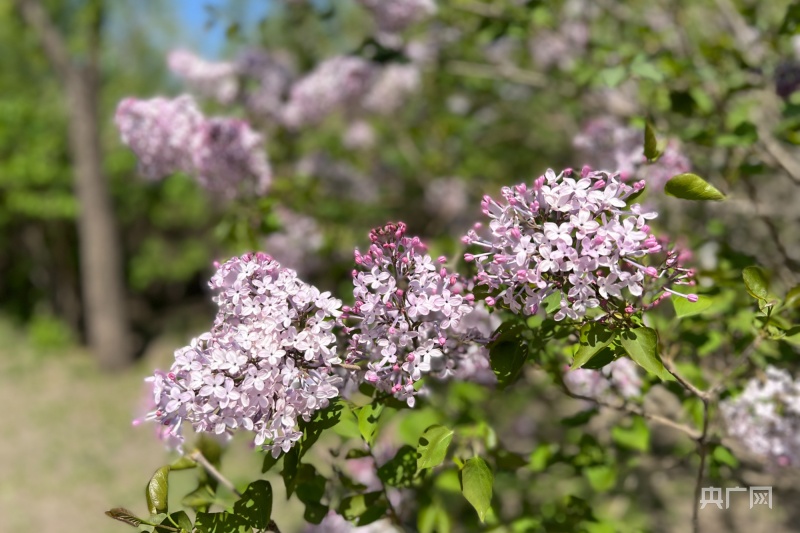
{"points": [[620, 375], [396, 15], [572, 236], [606, 143], [265, 365], [160, 132], [407, 306], [765, 417], [338, 82], [229, 156], [212, 80]]}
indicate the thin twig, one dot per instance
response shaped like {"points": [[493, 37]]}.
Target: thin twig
{"points": [[670, 366], [698, 486], [348, 366], [636, 410], [497, 72], [198, 456]]}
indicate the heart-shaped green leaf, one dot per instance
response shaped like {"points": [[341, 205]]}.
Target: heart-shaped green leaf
{"points": [[755, 280], [157, 491], [684, 307]]}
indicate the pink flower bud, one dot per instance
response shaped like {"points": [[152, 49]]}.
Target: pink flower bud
{"points": [[692, 298]]}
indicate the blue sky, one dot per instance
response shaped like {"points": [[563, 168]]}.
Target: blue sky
{"points": [[193, 15]]}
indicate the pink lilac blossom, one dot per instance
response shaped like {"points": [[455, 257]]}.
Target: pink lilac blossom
{"points": [[297, 244], [160, 132], [573, 236], [230, 156], [266, 364], [338, 82], [271, 75], [359, 135], [212, 80], [620, 375], [765, 417], [605, 143], [396, 15], [407, 306], [467, 358], [223, 154], [392, 87]]}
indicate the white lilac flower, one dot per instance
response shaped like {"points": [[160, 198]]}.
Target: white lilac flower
{"points": [[572, 235], [223, 154], [392, 87], [765, 417], [212, 80], [359, 135], [407, 306], [396, 15], [620, 375], [160, 132], [266, 364], [338, 82], [607, 144]]}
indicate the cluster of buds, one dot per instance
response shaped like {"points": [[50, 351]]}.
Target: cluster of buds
{"points": [[765, 417], [575, 236], [606, 143], [407, 306], [224, 154], [266, 364]]}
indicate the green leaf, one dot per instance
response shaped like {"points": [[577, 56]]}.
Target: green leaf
{"points": [[637, 437], [508, 352], [366, 508], [183, 463], [432, 446], [602, 358], [180, 518], [157, 491], [684, 307], [368, 421], [310, 491], [641, 344], [722, 455], [255, 505], [476, 485], [199, 498], [434, 518], [401, 470], [613, 76], [593, 338], [269, 462], [601, 477], [650, 143], [220, 523], [540, 457], [124, 515], [755, 280], [793, 297], [692, 187]]}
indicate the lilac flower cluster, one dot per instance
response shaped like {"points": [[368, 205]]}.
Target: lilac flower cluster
{"points": [[396, 15], [765, 417], [406, 308], [338, 82], [224, 154], [270, 76], [266, 363], [392, 87], [620, 375], [212, 80], [574, 236], [606, 143]]}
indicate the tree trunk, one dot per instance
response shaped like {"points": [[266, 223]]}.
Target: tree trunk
{"points": [[102, 283]]}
